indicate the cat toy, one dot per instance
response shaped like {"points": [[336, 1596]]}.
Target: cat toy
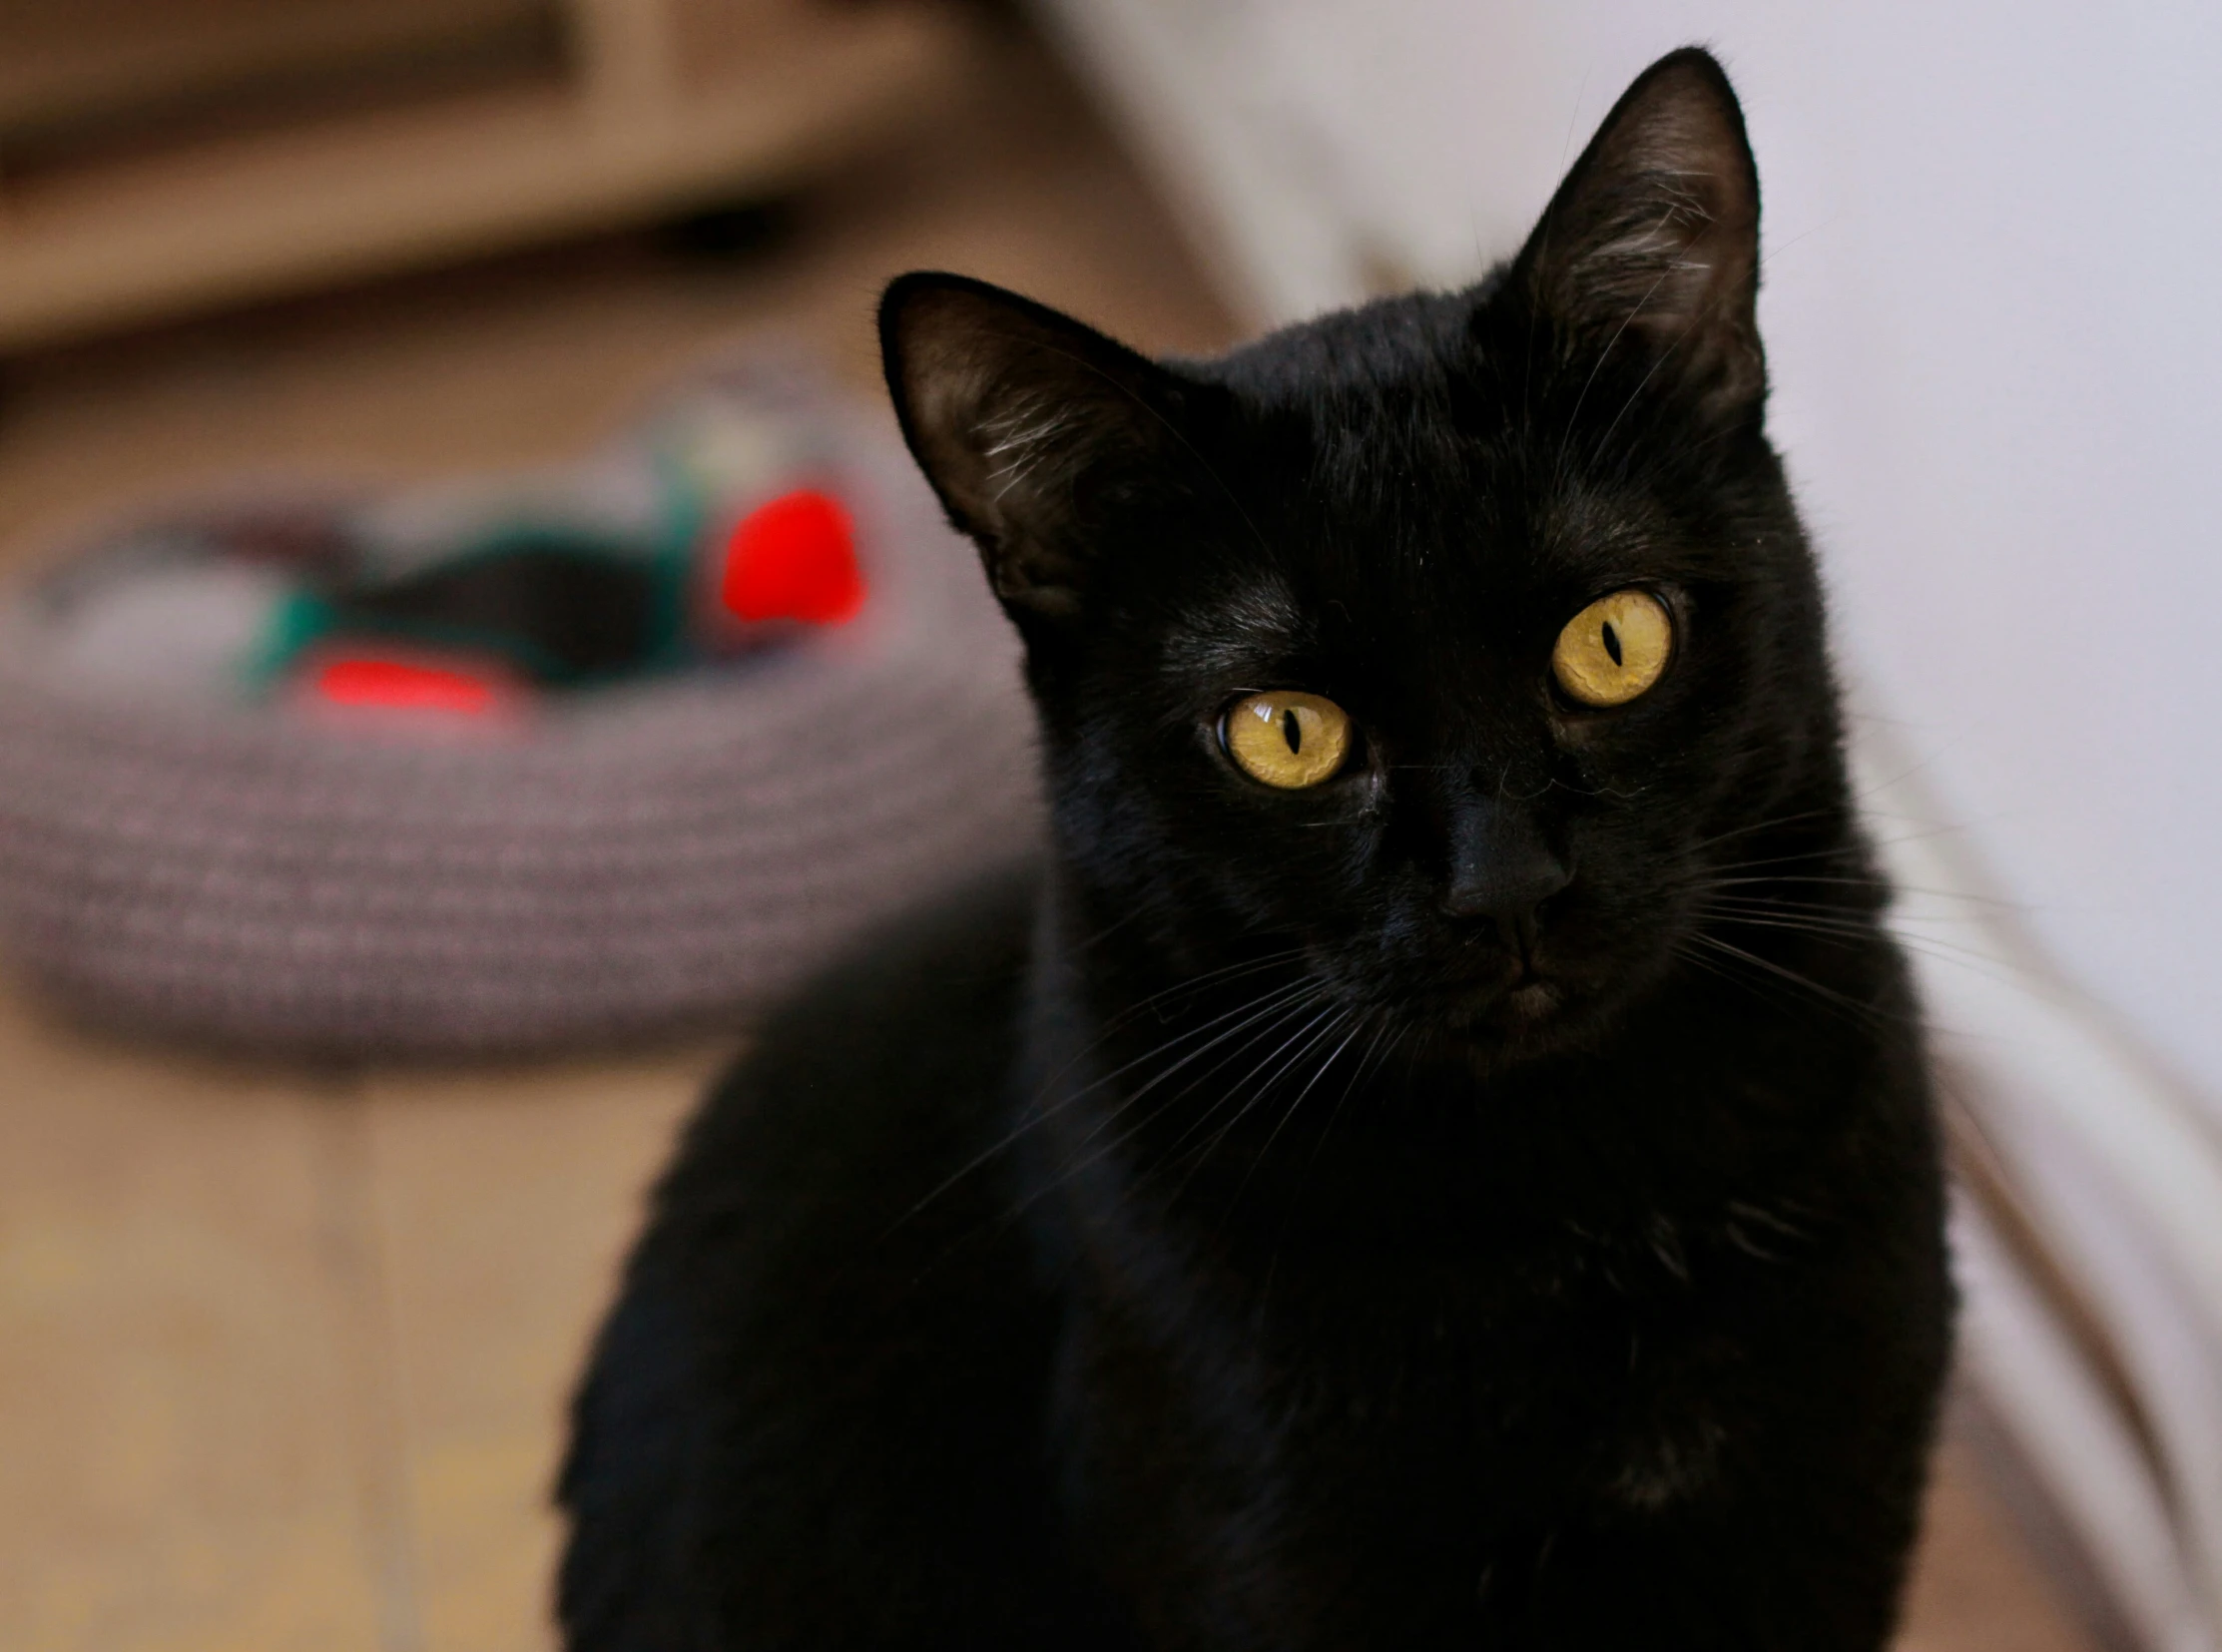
{"points": [[535, 600]]}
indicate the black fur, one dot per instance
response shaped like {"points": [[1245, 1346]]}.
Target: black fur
{"points": [[1487, 1200]]}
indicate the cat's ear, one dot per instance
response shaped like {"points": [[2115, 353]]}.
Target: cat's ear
{"points": [[1023, 419], [1653, 239]]}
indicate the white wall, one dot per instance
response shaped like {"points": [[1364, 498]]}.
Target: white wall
{"points": [[1993, 304]]}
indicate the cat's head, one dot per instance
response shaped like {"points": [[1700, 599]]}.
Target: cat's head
{"points": [[1446, 638]]}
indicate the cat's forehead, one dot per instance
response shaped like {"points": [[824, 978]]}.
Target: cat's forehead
{"points": [[1388, 342], [1397, 485], [1392, 417], [1404, 543], [1383, 501], [1252, 619]]}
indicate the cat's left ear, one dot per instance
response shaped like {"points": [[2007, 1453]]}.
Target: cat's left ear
{"points": [[1026, 422], [1652, 242]]}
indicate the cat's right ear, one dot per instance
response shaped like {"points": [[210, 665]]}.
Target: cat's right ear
{"points": [[1023, 419]]}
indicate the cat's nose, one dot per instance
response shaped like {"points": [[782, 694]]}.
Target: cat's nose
{"points": [[1503, 868]]}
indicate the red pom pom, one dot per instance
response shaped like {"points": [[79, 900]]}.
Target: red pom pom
{"points": [[397, 685], [794, 558]]}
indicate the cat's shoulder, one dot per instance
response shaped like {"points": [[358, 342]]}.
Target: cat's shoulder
{"points": [[826, 1261], [897, 1053]]}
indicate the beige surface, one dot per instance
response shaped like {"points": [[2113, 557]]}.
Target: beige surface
{"points": [[283, 1355]]}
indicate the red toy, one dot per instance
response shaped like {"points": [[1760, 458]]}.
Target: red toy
{"points": [[793, 558], [366, 682]]}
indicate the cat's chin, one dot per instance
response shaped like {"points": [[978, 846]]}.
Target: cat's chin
{"points": [[1523, 1015], [1531, 1003], [1530, 1018]]}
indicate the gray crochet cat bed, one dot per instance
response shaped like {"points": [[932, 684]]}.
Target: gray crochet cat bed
{"points": [[183, 858]]}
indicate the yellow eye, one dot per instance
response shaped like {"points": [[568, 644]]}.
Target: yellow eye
{"points": [[1615, 648], [1287, 738]]}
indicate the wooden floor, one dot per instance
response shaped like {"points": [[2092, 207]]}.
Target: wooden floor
{"points": [[282, 1354]]}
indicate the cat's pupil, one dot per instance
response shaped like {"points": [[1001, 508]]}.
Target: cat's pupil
{"points": [[1292, 732], [1612, 642]]}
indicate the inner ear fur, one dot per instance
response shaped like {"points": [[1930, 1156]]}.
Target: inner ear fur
{"points": [[1654, 238], [1011, 410]]}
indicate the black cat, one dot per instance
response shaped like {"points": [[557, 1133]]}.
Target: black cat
{"points": [[1440, 1155]]}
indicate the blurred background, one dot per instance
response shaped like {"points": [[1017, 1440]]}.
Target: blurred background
{"points": [[286, 1322]]}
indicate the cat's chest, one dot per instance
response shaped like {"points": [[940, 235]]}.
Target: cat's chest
{"points": [[1568, 1372], [1561, 1379], [1366, 1456]]}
